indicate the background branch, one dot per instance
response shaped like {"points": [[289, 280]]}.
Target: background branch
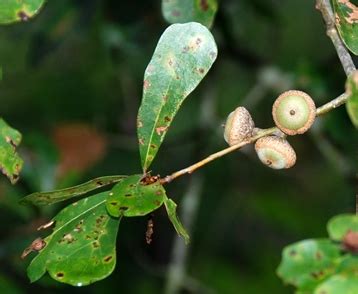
{"points": [[327, 12]]}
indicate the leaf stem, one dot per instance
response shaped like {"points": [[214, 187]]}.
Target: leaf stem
{"points": [[327, 12]]}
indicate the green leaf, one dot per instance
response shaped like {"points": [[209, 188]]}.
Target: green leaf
{"points": [[339, 225], [19, 10], [171, 208], [133, 198], [81, 249], [307, 263], [352, 103], [347, 23], [10, 162], [184, 54], [340, 284], [181, 11], [51, 197]]}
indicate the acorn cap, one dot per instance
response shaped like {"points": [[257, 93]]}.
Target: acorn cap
{"points": [[239, 126], [275, 152], [294, 112]]}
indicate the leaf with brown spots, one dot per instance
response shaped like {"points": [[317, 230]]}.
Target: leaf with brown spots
{"points": [[10, 162], [15, 10], [346, 15], [82, 247], [307, 263], [184, 55], [181, 11], [51, 197], [132, 197]]}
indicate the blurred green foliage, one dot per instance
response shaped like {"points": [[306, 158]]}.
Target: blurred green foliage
{"points": [[83, 62]]}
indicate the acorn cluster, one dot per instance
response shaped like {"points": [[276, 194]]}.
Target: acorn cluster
{"points": [[293, 113]]}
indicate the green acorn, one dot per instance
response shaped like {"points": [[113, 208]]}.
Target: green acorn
{"points": [[275, 152], [294, 112], [239, 126]]}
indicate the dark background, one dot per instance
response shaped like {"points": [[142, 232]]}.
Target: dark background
{"points": [[72, 84]]}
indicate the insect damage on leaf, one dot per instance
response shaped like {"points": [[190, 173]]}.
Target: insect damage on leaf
{"points": [[183, 56], [81, 248]]}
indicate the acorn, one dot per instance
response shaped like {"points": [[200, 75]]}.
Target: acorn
{"points": [[294, 112], [239, 126], [275, 152]]}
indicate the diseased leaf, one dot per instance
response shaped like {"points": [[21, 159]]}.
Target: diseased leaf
{"points": [[184, 54], [181, 11], [10, 162], [307, 263], [342, 283], [51, 197], [81, 249], [340, 225], [352, 103], [133, 198], [171, 208], [19, 10], [346, 16]]}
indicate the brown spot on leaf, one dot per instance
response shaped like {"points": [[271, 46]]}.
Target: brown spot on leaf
{"points": [[23, 16], [108, 258], [176, 13], [114, 203], [128, 195], [141, 141], [167, 119], [95, 244], [201, 70], [161, 130], [318, 255], [153, 146], [146, 85], [204, 5], [60, 275], [124, 208], [292, 253]]}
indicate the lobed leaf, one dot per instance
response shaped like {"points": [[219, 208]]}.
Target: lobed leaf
{"points": [[51, 197], [352, 103], [19, 10], [339, 225], [347, 23], [171, 208], [183, 56], [307, 263], [82, 248], [10, 162], [181, 11], [133, 198]]}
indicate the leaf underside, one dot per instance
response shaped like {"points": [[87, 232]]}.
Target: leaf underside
{"points": [[10, 162], [347, 23], [181, 11], [352, 103], [132, 198], [19, 10], [51, 197], [81, 249], [183, 56]]}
